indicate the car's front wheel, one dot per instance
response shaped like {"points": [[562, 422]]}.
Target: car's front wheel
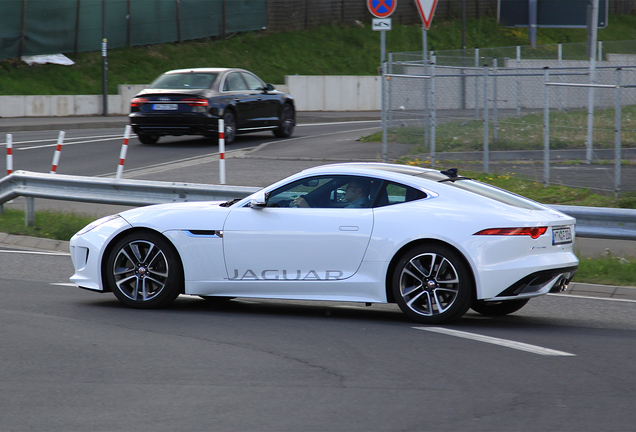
{"points": [[143, 270], [287, 123], [148, 139], [432, 284], [498, 308]]}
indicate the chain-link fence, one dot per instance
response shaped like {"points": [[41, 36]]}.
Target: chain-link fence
{"points": [[531, 116]]}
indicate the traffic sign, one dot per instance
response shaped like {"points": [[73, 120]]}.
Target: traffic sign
{"points": [[381, 24], [426, 8], [381, 8]]}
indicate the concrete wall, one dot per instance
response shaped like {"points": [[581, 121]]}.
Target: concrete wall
{"points": [[362, 93]]}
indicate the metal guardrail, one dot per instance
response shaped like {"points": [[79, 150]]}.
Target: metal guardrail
{"points": [[592, 222], [108, 190]]}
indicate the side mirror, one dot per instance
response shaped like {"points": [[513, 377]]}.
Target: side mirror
{"points": [[258, 200], [269, 88]]}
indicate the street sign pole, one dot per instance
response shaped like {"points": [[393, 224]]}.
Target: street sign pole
{"points": [[381, 10]]}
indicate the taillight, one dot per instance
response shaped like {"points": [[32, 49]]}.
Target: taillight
{"points": [[138, 101], [533, 232], [195, 101]]}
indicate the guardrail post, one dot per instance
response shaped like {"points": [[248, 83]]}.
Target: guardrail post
{"points": [[29, 214]]}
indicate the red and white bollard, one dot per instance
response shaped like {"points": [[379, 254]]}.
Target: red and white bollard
{"points": [[9, 154], [122, 154], [222, 151], [58, 151]]}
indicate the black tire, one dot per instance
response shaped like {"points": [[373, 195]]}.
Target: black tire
{"points": [[432, 284], [498, 308], [148, 139], [229, 122], [287, 123], [144, 271]]}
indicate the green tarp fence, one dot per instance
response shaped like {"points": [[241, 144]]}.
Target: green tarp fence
{"points": [[35, 27]]}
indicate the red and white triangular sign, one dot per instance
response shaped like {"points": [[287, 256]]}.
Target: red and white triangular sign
{"points": [[426, 9]]}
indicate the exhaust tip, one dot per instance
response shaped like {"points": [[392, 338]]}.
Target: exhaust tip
{"points": [[561, 285]]}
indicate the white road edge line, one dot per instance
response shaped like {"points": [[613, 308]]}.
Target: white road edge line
{"points": [[65, 284], [496, 341], [592, 297]]}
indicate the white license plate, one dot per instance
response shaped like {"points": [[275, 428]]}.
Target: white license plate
{"points": [[561, 235], [165, 107]]}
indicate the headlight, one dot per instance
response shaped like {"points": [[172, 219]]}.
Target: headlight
{"points": [[96, 223]]}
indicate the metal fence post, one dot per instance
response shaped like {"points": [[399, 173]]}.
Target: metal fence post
{"points": [[518, 79], [476, 85], [546, 128], [495, 113], [486, 163], [433, 116], [617, 136]]}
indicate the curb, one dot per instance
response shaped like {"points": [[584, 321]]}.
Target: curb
{"points": [[35, 243]]}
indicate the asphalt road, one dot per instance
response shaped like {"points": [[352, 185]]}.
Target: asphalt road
{"points": [[73, 360]]}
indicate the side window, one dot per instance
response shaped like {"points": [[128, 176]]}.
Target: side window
{"points": [[234, 82], [326, 192], [395, 193], [253, 83]]}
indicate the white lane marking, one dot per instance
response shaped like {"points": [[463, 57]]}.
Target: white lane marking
{"points": [[496, 341], [338, 123], [592, 297], [70, 143], [67, 139], [34, 252], [64, 284]]}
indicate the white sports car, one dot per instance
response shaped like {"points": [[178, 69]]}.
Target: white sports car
{"points": [[433, 242]]}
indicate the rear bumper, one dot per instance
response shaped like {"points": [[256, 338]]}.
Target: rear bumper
{"points": [[173, 125], [539, 283]]}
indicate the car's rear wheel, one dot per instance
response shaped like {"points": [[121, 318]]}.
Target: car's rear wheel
{"points": [[229, 122], [287, 123], [432, 284], [498, 308], [148, 139], [143, 270]]}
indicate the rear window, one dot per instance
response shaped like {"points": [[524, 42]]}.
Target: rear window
{"points": [[495, 193], [180, 81]]}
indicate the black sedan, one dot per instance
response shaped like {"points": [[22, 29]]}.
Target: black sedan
{"points": [[191, 102]]}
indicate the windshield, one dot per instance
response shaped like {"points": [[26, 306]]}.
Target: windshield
{"points": [[186, 80]]}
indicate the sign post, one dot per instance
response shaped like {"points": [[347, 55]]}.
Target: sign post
{"points": [[382, 10], [426, 8]]}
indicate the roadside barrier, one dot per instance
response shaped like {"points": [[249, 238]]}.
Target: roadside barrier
{"points": [[58, 151], [9, 154], [592, 222], [122, 154], [221, 151]]}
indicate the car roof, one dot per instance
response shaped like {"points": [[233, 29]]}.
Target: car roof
{"points": [[208, 70], [372, 168]]}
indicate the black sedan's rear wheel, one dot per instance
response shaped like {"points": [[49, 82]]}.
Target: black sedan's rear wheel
{"points": [[287, 123], [143, 270], [229, 121], [498, 308], [148, 139], [432, 284]]}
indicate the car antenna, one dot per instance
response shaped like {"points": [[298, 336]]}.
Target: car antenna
{"points": [[451, 172]]}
